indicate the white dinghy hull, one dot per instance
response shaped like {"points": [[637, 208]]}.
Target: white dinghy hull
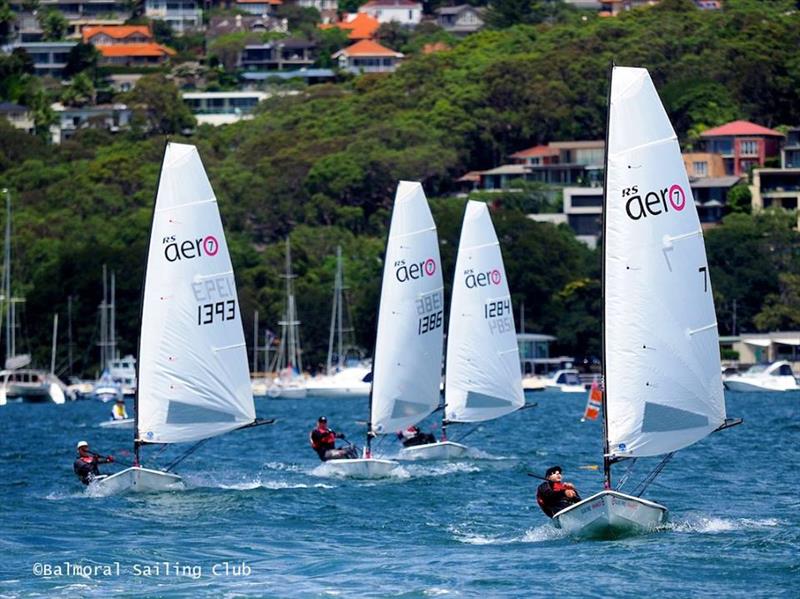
{"points": [[441, 450], [362, 467], [138, 480], [123, 423], [610, 514]]}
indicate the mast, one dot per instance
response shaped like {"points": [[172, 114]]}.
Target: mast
{"points": [[255, 342], [329, 363], [604, 400], [7, 275], [339, 284], [289, 325], [112, 319], [136, 441], [55, 340]]}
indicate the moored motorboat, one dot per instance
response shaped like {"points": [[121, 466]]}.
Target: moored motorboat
{"points": [[566, 381], [777, 376]]}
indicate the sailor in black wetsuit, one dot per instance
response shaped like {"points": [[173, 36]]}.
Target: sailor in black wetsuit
{"points": [[85, 465], [323, 441], [554, 495], [412, 436]]}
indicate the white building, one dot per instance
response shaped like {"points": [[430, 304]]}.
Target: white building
{"points": [[182, 15], [223, 108], [405, 12]]}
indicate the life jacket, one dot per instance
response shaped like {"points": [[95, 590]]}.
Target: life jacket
{"points": [[328, 438]]}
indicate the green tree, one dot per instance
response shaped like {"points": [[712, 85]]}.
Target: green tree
{"points": [[740, 199], [158, 106], [226, 49], [82, 57], [7, 18], [54, 25], [301, 20], [781, 311], [80, 91]]}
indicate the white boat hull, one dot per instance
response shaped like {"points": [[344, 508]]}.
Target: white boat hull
{"points": [[742, 384], [138, 480], [567, 388], [441, 450], [123, 423], [362, 467], [356, 391], [610, 514]]}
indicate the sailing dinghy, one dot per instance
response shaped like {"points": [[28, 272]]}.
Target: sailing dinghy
{"points": [[194, 378], [663, 386], [483, 380], [407, 363]]}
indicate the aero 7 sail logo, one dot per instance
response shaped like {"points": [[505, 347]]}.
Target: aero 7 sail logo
{"points": [[653, 203], [190, 248], [417, 270], [482, 279]]}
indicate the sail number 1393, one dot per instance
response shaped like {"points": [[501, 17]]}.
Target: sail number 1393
{"points": [[216, 312]]}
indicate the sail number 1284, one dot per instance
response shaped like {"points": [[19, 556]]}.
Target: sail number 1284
{"points": [[498, 313]]}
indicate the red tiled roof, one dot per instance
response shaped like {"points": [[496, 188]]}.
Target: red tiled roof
{"points": [[435, 47], [362, 27], [135, 50], [116, 31], [368, 48], [740, 128], [385, 3], [536, 151]]}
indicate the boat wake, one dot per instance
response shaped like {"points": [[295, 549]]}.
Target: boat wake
{"points": [[714, 525], [440, 469], [538, 534]]}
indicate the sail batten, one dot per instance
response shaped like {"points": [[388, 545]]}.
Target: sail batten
{"points": [[483, 379], [662, 346], [194, 380], [408, 354]]}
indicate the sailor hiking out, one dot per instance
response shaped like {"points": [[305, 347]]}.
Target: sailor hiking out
{"points": [[86, 464], [323, 441], [554, 495]]}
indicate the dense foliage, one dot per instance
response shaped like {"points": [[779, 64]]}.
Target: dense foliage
{"points": [[321, 166]]}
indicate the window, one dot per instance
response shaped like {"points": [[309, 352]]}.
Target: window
{"points": [[749, 147], [700, 168]]}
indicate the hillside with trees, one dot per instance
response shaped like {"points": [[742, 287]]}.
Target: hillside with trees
{"points": [[321, 166]]}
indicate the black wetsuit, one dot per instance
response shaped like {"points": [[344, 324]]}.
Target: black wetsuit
{"points": [[86, 468], [419, 439], [552, 497]]}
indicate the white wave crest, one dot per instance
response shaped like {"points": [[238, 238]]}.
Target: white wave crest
{"points": [[714, 525]]}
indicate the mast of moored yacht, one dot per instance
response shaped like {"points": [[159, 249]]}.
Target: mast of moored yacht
{"points": [[604, 396]]}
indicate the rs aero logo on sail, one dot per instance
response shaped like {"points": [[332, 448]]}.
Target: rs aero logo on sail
{"points": [[415, 270], [188, 249], [653, 203], [482, 279]]}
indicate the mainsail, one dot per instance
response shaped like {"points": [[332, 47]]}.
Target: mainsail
{"points": [[483, 372], [408, 356], [662, 373], [194, 380]]}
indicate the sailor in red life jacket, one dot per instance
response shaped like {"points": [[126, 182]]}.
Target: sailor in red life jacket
{"points": [[323, 441], [553, 495], [85, 465]]}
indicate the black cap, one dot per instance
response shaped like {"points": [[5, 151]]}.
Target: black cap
{"points": [[552, 470], [322, 419]]}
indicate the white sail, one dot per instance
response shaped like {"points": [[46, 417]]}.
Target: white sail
{"points": [[483, 373], [663, 382], [408, 354], [194, 380]]}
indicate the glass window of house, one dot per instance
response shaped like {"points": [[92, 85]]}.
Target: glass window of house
{"points": [[749, 147], [700, 168]]}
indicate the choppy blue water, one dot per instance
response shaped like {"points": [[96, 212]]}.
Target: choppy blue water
{"points": [[258, 502]]}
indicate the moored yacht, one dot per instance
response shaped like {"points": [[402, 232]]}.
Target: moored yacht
{"points": [[777, 376]]}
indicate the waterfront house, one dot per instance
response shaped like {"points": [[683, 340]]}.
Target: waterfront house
{"points": [[367, 56], [460, 20], [743, 145], [405, 12], [180, 15]]}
